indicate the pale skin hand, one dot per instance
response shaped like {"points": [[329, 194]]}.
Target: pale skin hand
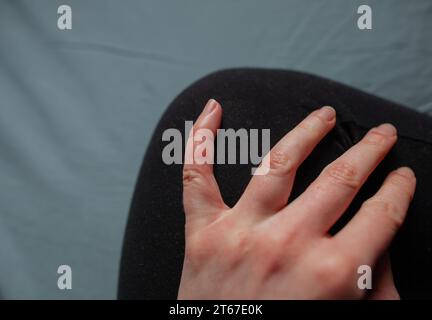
{"points": [[263, 248]]}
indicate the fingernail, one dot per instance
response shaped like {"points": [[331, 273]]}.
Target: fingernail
{"points": [[406, 172], [210, 107], [386, 129], [327, 113]]}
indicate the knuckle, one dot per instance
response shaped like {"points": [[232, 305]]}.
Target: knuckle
{"points": [[402, 183], [400, 178], [319, 121], [375, 138], [313, 124], [268, 249], [344, 174], [243, 241], [191, 175], [281, 163], [306, 125], [335, 271], [385, 210], [238, 248], [331, 266], [240, 244]]}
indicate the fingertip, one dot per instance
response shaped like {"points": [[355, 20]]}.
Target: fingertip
{"points": [[387, 129], [211, 115], [406, 172], [210, 106], [327, 113], [214, 101], [218, 106], [405, 178]]}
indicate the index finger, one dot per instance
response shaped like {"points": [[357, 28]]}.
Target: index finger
{"points": [[201, 194]]}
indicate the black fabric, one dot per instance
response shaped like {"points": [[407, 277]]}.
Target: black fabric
{"points": [[256, 98]]}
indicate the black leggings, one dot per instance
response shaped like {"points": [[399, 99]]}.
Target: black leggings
{"points": [[254, 98]]}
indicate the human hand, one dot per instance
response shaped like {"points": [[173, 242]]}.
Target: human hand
{"points": [[263, 248]]}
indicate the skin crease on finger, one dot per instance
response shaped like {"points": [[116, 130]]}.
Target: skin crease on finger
{"points": [[264, 249]]}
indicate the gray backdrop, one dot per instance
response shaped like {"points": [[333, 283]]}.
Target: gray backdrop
{"points": [[77, 107]]}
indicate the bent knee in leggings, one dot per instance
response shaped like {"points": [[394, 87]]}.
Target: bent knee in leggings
{"points": [[277, 100]]}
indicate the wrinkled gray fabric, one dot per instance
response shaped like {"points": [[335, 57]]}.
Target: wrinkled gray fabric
{"points": [[77, 107]]}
